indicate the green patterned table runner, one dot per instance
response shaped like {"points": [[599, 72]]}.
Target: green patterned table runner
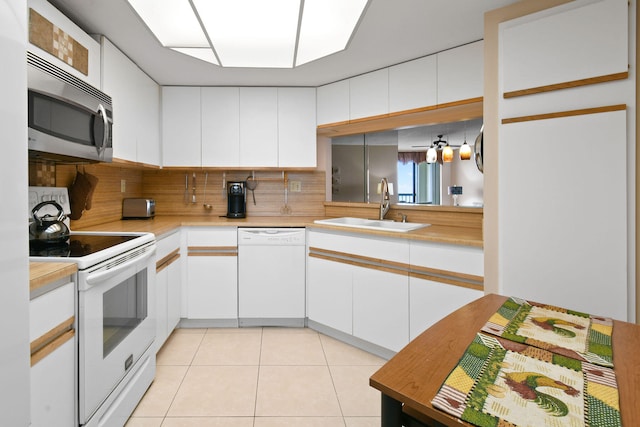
{"points": [[570, 333], [500, 383]]}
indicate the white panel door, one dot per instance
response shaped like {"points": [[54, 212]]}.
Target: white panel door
{"points": [[212, 287], [258, 126], [381, 307], [461, 73], [333, 103], [296, 127], [148, 142], [576, 41], [181, 134], [431, 301], [563, 212], [369, 94], [413, 84], [330, 294], [220, 126]]}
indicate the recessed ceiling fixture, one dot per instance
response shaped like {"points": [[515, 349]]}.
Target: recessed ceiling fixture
{"points": [[253, 33]]}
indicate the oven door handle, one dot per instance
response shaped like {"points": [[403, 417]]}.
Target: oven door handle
{"points": [[95, 278]]}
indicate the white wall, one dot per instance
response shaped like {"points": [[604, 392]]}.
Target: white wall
{"points": [[14, 251]]}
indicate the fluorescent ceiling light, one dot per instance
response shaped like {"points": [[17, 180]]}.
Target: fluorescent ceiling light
{"points": [[252, 33], [327, 27]]}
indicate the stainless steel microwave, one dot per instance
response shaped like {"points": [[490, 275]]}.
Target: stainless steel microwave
{"points": [[70, 121]]}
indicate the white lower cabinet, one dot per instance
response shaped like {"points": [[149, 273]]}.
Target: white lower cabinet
{"points": [[386, 291], [330, 294], [53, 358], [430, 301], [381, 307], [212, 273]]}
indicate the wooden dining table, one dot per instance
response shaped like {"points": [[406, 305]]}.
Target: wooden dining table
{"points": [[410, 380]]}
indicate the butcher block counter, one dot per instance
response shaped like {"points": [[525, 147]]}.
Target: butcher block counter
{"points": [[43, 273], [162, 225]]}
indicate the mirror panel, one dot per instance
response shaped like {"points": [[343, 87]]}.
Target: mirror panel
{"points": [[360, 161]]}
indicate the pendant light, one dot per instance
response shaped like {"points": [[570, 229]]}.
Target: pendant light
{"points": [[465, 151], [432, 154], [447, 153]]}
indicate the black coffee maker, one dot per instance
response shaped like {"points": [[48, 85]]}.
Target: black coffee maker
{"points": [[236, 199]]}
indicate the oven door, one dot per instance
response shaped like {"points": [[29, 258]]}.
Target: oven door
{"points": [[116, 323]]}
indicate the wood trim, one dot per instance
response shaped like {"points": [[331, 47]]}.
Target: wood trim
{"points": [[567, 85], [51, 347], [360, 264], [212, 251], [50, 336], [585, 111], [447, 280], [466, 109], [463, 280], [168, 260]]}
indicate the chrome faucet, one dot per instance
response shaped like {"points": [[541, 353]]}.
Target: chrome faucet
{"points": [[384, 201]]}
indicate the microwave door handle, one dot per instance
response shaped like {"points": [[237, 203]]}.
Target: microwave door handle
{"points": [[105, 120]]}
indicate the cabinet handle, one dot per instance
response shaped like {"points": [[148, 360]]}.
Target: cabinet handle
{"points": [[51, 346], [168, 260]]}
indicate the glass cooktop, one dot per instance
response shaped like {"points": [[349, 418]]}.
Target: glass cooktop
{"points": [[77, 245]]}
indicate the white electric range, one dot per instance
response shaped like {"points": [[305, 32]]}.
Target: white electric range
{"points": [[115, 314]]}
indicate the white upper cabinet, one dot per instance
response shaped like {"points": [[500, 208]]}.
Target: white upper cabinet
{"points": [[220, 126], [333, 103], [181, 133], [369, 94], [413, 84], [461, 73], [58, 19], [572, 42], [136, 105], [296, 127], [258, 127]]}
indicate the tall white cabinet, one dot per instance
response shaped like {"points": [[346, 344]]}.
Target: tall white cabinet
{"points": [[14, 293], [567, 174], [136, 103]]}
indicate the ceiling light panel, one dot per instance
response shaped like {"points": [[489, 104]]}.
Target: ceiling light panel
{"points": [[327, 26], [251, 33], [172, 22]]}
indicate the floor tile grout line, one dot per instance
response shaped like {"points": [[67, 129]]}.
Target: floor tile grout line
{"points": [[255, 401], [333, 383]]}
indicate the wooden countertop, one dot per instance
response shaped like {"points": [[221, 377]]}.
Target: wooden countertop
{"points": [[415, 374], [43, 273], [163, 225]]}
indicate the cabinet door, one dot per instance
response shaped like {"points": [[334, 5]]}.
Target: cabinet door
{"points": [[413, 84], [296, 127], [136, 100], [333, 103], [220, 126], [369, 94], [148, 131], [181, 126], [461, 73], [162, 330], [174, 292], [431, 301], [380, 307], [559, 45], [329, 294], [258, 126], [53, 388], [212, 287]]}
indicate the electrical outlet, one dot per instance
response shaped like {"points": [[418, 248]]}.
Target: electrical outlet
{"points": [[123, 185], [295, 186]]}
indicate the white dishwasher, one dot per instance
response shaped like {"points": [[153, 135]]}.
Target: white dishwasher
{"points": [[271, 276]]}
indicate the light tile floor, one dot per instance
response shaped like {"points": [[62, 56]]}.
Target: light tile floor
{"points": [[259, 377]]}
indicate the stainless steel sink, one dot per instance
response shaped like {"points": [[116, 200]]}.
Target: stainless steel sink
{"points": [[372, 224]]}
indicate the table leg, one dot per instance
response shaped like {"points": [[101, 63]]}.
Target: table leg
{"points": [[391, 412]]}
